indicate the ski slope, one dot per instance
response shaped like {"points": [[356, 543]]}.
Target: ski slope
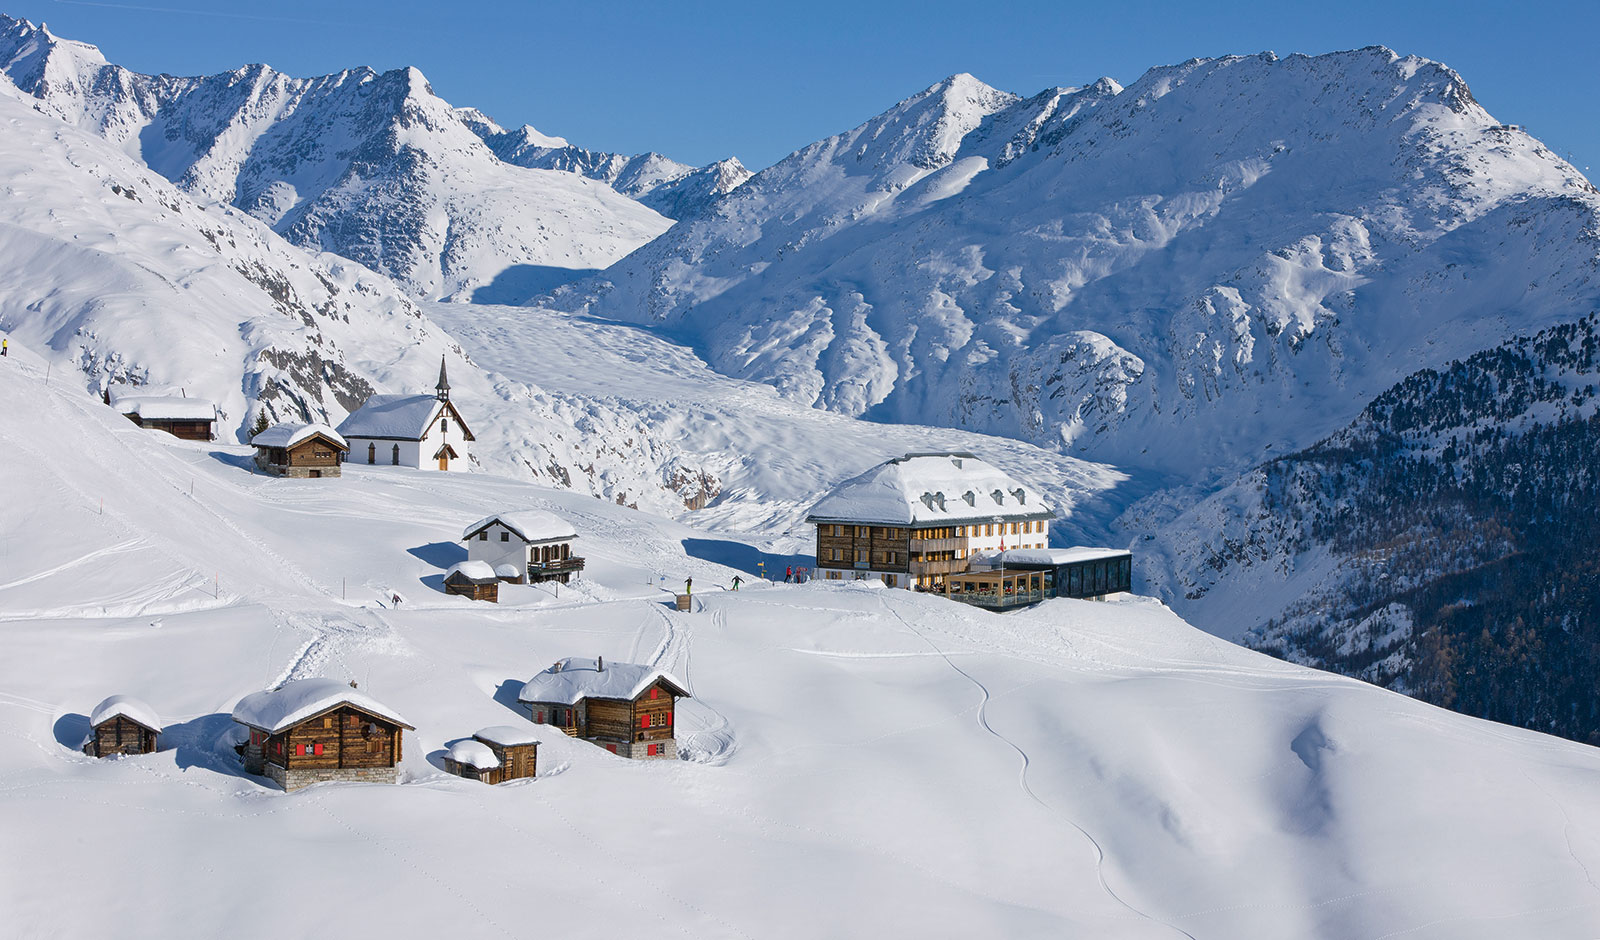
{"points": [[859, 762]]}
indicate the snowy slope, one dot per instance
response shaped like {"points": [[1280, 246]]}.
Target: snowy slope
{"points": [[116, 278], [1226, 255], [757, 460], [372, 166], [1081, 769], [676, 190]]}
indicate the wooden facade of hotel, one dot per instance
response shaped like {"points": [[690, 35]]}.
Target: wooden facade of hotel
{"points": [[923, 555]]}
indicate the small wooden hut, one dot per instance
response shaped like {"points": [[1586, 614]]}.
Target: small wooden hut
{"points": [[299, 450], [122, 725], [316, 730], [517, 749], [474, 579], [626, 708], [474, 760]]}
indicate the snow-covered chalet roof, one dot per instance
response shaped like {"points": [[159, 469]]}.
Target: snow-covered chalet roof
{"points": [[290, 433], [165, 407], [128, 707], [508, 735], [530, 525], [398, 417], [1051, 556], [478, 572], [474, 754], [275, 710], [926, 489], [573, 679]]}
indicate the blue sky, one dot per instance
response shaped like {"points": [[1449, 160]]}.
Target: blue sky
{"points": [[703, 80]]}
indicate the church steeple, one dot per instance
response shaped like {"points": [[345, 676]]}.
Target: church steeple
{"points": [[443, 388]]}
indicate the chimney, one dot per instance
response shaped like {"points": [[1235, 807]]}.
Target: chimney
{"points": [[599, 664], [353, 684], [556, 667]]}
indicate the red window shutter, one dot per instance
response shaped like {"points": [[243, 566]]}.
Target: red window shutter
{"points": [[655, 693], [316, 748], [669, 719], [612, 748], [644, 721], [650, 750], [299, 750], [541, 718]]}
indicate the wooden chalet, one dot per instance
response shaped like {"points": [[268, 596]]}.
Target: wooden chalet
{"points": [[122, 725], [299, 450], [916, 520], [193, 419], [526, 546], [316, 730], [495, 755], [626, 708], [474, 579]]}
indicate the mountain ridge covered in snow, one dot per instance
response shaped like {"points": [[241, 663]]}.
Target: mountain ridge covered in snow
{"points": [[1251, 243], [372, 166]]}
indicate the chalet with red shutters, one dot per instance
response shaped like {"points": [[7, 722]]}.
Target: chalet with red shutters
{"points": [[626, 708], [316, 730], [122, 725]]}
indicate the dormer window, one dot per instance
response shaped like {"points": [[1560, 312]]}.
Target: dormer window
{"points": [[999, 497], [970, 497], [927, 500], [956, 461], [1021, 494]]}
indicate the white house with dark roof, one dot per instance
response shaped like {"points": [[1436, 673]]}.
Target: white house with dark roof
{"points": [[418, 431], [528, 545], [626, 708], [912, 520]]}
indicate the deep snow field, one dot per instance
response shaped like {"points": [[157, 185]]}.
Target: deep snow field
{"points": [[859, 762]]}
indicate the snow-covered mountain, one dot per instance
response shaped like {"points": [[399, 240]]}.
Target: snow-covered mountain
{"points": [[1227, 255], [676, 190], [118, 276], [372, 166]]}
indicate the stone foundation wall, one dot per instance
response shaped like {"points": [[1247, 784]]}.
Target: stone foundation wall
{"points": [[295, 779], [639, 750], [254, 760]]}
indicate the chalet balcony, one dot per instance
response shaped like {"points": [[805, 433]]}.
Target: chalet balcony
{"points": [[938, 545], [561, 569]]}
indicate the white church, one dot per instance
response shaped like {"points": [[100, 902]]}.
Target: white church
{"points": [[421, 431]]}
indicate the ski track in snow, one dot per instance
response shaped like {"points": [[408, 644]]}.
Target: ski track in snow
{"points": [[1022, 774]]}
